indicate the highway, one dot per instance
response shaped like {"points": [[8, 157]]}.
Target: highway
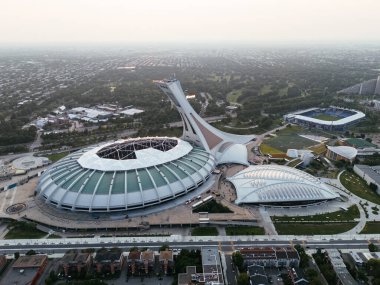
{"points": [[225, 244]]}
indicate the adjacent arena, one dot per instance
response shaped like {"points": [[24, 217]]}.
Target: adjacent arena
{"points": [[278, 185], [126, 175], [332, 118]]}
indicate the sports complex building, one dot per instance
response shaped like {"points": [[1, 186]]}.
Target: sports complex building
{"points": [[137, 173], [331, 118], [278, 185]]}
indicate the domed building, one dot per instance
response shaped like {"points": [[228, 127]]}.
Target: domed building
{"points": [[126, 174], [279, 185]]}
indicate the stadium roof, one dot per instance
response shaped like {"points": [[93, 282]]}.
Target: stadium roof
{"points": [[125, 175], [266, 184], [345, 151]]}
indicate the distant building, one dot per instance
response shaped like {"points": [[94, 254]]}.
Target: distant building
{"points": [[270, 256], [344, 276], [134, 261], [212, 270], [3, 261], [108, 260], [166, 260], [369, 87], [147, 259], [75, 262], [345, 153], [257, 275], [26, 270], [131, 112], [361, 257]]}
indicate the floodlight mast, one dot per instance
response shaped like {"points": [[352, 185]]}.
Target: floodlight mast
{"points": [[195, 128]]}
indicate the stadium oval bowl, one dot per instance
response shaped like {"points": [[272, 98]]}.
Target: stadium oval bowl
{"points": [[125, 175]]}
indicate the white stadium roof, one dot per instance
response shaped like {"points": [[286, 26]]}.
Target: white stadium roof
{"points": [[125, 175], [268, 184], [345, 151]]}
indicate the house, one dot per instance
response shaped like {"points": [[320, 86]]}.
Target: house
{"points": [[166, 260], [108, 260]]}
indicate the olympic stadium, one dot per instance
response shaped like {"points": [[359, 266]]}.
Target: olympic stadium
{"points": [[136, 173], [126, 174], [331, 118]]}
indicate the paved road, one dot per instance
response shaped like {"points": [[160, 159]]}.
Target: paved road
{"points": [[225, 244]]}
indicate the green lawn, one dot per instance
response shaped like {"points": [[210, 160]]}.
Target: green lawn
{"points": [[212, 207], [233, 96], [265, 89], [266, 149], [350, 215], [326, 117], [204, 231], [22, 233], [312, 229], [371, 228], [241, 230], [289, 138], [57, 156], [359, 187]]}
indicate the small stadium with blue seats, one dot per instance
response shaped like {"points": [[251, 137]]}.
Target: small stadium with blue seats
{"points": [[331, 118]]}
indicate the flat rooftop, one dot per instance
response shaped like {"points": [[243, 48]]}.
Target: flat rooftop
{"points": [[30, 261]]}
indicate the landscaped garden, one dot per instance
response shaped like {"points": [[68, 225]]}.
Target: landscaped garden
{"points": [[351, 214], [359, 187], [204, 231], [313, 228], [244, 230]]}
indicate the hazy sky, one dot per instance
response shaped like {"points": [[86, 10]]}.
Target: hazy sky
{"points": [[189, 21]]}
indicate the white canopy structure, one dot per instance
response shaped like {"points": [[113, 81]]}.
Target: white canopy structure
{"points": [[276, 184]]}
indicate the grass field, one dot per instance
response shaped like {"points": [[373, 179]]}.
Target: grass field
{"points": [[318, 149], [312, 229], [326, 117], [57, 156], [289, 138], [359, 187], [204, 231], [350, 215], [241, 231], [265, 89], [371, 228], [22, 233], [266, 149], [233, 96]]}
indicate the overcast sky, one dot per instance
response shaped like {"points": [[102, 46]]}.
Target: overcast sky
{"points": [[189, 21]]}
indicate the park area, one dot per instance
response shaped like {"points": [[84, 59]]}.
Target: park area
{"points": [[359, 187], [371, 228], [284, 139], [313, 228]]}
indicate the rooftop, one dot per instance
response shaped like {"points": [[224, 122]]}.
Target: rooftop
{"points": [[30, 261]]}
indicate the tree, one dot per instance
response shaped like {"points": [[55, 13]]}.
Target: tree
{"points": [[373, 248], [373, 187], [238, 260], [164, 247], [30, 252], [17, 255], [242, 279]]}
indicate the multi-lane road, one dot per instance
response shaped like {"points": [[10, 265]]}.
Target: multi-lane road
{"points": [[225, 244]]}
